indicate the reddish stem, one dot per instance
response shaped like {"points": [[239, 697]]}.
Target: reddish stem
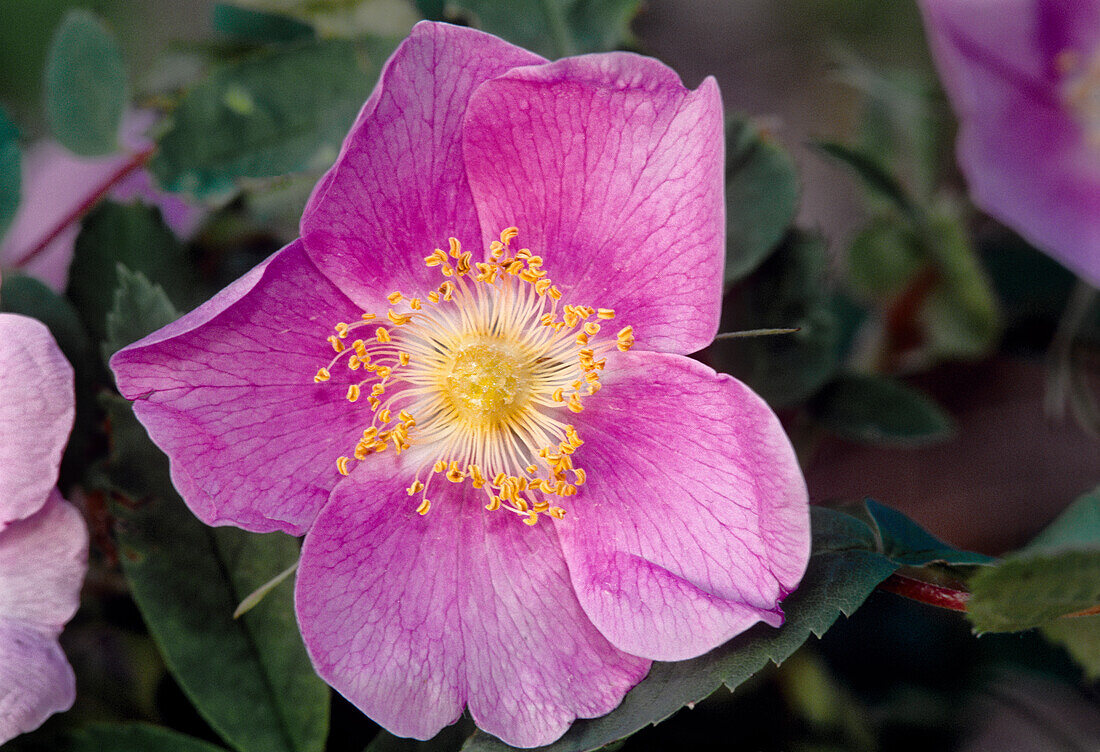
{"points": [[926, 592], [137, 161]]}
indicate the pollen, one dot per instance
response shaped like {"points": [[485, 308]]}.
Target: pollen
{"points": [[480, 375]]}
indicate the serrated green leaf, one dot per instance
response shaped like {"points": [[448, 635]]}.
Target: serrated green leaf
{"points": [[878, 410], [135, 737], [787, 291], [30, 297], [840, 577], [86, 89], [555, 28], [139, 307], [1032, 590], [908, 544], [1080, 636], [279, 111], [883, 257], [11, 171], [257, 26], [132, 235], [261, 694], [761, 197]]}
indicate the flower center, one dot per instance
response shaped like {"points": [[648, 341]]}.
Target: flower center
{"points": [[480, 372], [1081, 91], [489, 382]]}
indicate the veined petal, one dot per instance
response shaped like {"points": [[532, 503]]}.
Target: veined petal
{"points": [[228, 393], [398, 189], [36, 680], [613, 172], [43, 559], [694, 521], [36, 415], [412, 617]]}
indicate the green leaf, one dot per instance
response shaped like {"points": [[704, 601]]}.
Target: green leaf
{"points": [[1080, 636], [450, 739], [256, 25], [1032, 590], [135, 737], [11, 175], [908, 544], [878, 410], [840, 576], [136, 237], [876, 178], [1055, 575], [787, 291], [1078, 527], [432, 10], [281, 110], [555, 28], [260, 692], [345, 19], [140, 307], [883, 257], [86, 90], [761, 197], [30, 297]]}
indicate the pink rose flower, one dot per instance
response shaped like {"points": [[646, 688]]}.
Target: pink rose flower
{"points": [[43, 540], [1024, 79], [516, 490]]}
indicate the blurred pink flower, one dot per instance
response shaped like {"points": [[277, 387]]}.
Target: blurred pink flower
{"points": [[43, 540], [1024, 79], [665, 508], [59, 188]]}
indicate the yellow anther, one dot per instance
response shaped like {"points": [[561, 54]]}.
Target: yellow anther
{"points": [[394, 297], [353, 393], [433, 297], [582, 338], [405, 416], [591, 328], [579, 476], [342, 329], [403, 358], [373, 401], [415, 304], [455, 247], [531, 519], [384, 371], [362, 450], [476, 478], [625, 338], [377, 390], [556, 512], [498, 480], [605, 313], [558, 395], [342, 465], [398, 319], [322, 375], [574, 403], [369, 317], [370, 433], [554, 292], [494, 503], [382, 335], [425, 505], [508, 234], [337, 345], [384, 416], [455, 473], [569, 491], [415, 488]]}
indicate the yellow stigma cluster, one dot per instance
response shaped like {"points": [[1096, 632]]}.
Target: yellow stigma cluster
{"points": [[475, 376]]}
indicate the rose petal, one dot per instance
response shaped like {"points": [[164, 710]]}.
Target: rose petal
{"points": [[613, 172], [228, 393], [694, 521], [36, 415], [411, 617], [1027, 160], [43, 559], [36, 680], [398, 189]]}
